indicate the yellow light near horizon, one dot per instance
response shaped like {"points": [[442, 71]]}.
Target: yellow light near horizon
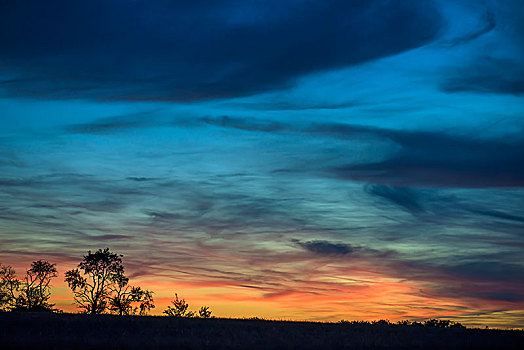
{"points": [[375, 297]]}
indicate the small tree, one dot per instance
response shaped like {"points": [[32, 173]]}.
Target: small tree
{"points": [[179, 308], [204, 312], [125, 298]]}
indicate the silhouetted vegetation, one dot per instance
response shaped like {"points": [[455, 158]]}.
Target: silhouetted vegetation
{"points": [[100, 285], [442, 324], [180, 309], [204, 312], [32, 292], [125, 298], [436, 323], [8, 286], [69, 331]]}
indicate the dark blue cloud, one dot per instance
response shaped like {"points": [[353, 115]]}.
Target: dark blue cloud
{"points": [[499, 215], [404, 197], [486, 270], [246, 124], [140, 179], [111, 125], [489, 75], [509, 296], [437, 159], [183, 50], [327, 248]]}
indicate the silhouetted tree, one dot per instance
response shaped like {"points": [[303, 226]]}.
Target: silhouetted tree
{"points": [[145, 299], [35, 288], [125, 298], [100, 285], [179, 308], [102, 270], [9, 285], [32, 293], [204, 312]]}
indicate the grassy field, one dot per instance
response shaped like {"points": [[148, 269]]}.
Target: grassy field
{"points": [[70, 331]]}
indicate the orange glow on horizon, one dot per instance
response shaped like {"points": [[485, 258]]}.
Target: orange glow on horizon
{"points": [[393, 301], [380, 297]]}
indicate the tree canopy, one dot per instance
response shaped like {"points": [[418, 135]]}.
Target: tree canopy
{"points": [[100, 285]]}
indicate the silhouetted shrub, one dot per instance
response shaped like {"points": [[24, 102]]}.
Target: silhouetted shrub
{"points": [[442, 323], [382, 323], [180, 309], [458, 325], [356, 323], [428, 323], [204, 312]]}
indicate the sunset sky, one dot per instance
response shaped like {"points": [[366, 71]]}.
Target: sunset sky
{"points": [[310, 160]]}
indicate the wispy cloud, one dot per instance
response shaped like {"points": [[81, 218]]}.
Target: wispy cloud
{"points": [[424, 158]]}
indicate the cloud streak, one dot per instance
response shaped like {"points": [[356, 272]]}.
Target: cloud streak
{"points": [[327, 248], [424, 158]]}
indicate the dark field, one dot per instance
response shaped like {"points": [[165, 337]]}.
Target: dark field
{"points": [[68, 331]]}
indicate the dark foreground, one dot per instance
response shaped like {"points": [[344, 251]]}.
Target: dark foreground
{"points": [[68, 331]]}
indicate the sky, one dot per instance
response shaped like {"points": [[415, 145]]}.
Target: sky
{"points": [[305, 160]]}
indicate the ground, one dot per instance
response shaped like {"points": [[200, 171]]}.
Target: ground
{"points": [[74, 331]]}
